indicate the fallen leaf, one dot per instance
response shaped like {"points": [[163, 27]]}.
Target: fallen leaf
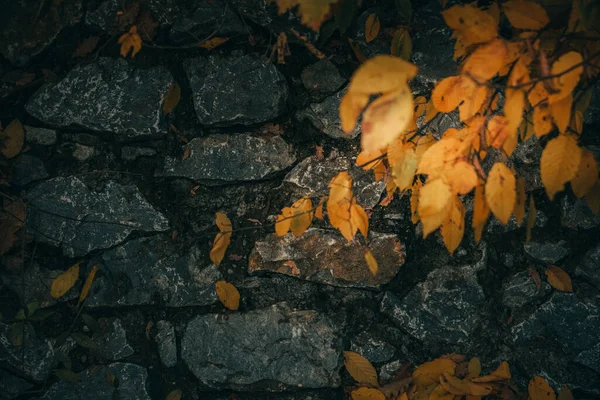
{"points": [[539, 389], [313, 12], [130, 41], [88, 284], [372, 26], [228, 295], [364, 393], [360, 368], [430, 372], [64, 282], [86, 47], [12, 139], [535, 276], [559, 279], [172, 99], [371, 262], [174, 395]]}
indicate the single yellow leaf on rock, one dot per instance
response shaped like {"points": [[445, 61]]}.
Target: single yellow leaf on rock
{"points": [[453, 227], [212, 43], [519, 210], [414, 201], [228, 295], [559, 163], [351, 106], [371, 262], [130, 41], [474, 368], [220, 245], [359, 217], [360, 368], [365, 393], [382, 74], [429, 373], [497, 131], [372, 26], [339, 201], [587, 174], [481, 211], [592, 197], [565, 393], [539, 389], [435, 200], [439, 156], [561, 112], [223, 223], [447, 94], [569, 67], [474, 24], [530, 219], [65, 281], [302, 211], [172, 99], [313, 13], [88, 284], [525, 14], [403, 172], [559, 279], [461, 177], [385, 119], [284, 220], [12, 139], [401, 44], [500, 191], [485, 62]]}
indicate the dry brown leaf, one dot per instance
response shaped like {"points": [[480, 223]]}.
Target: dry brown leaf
{"points": [[64, 282], [360, 368], [364, 393], [429, 373], [474, 368], [519, 210], [559, 279], [565, 393], [501, 373], [228, 295]]}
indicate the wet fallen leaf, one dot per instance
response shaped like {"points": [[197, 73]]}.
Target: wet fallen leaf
{"points": [[372, 26], [559, 279], [174, 395], [212, 43], [88, 284], [130, 42], [228, 295], [64, 282], [360, 368], [172, 99]]}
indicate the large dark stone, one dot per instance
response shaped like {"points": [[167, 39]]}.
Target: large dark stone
{"points": [[372, 347], [589, 267], [214, 17], [240, 89], [104, 16], [148, 271], [65, 211], [547, 252], [275, 347], [167, 343], [12, 386], [220, 159], [327, 257], [494, 226], [41, 136], [520, 290], [109, 95], [112, 340], [27, 29], [322, 78], [27, 169], [94, 384], [257, 11]]}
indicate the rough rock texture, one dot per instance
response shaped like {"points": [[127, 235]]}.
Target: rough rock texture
{"points": [[109, 95], [445, 307], [93, 384], [547, 252], [65, 211], [130, 153], [589, 267], [103, 16], [576, 214], [34, 358], [42, 136], [520, 290], [327, 257], [236, 90], [322, 78], [167, 343], [494, 226], [26, 32], [372, 348], [275, 346], [256, 11], [12, 386], [219, 159], [325, 116], [311, 176], [112, 340], [28, 169], [215, 17], [147, 271]]}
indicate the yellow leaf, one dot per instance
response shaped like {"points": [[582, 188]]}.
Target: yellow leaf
{"points": [[414, 201], [282, 225], [539, 389], [439, 156], [364, 393], [474, 368], [439, 393], [371, 262], [565, 393], [385, 118], [435, 200], [587, 174], [474, 24], [513, 51], [542, 119], [474, 97], [319, 210], [454, 385], [561, 112], [537, 95], [559, 163], [367, 160], [313, 12], [351, 106], [403, 172], [401, 44], [382, 74], [497, 131], [223, 223], [461, 177], [519, 210], [88, 284], [130, 41], [502, 373], [12, 139], [212, 43], [358, 217], [430, 372], [569, 67], [500, 191], [302, 210], [360, 368], [65, 281], [525, 14], [447, 94], [486, 61], [174, 395], [453, 228], [559, 279], [372, 26], [592, 197], [481, 212], [172, 99], [228, 295], [530, 219], [220, 245], [340, 196]]}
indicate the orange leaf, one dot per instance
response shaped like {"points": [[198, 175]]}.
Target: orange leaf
{"points": [[559, 163], [319, 210], [371, 262], [519, 210], [497, 131], [569, 67], [474, 368], [461, 177], [64, 282], [481, 212], [12, 139], [502, 373], [130, 41], [559, 279], [439, 156], [474, 24], [212, 43], [302, 216], [530, 219], [351, 106], [220, 245], [500, 191], [474, 97], [358, 217], [360, 368], [372, 26], [404, 167], [561, 112], [587, 174], [542, 119], [539, 389], [486, 61], [284, 220], [435, 200], [525, 14], [429, 373], [313, 13], [453, 228], [228, 295], [414, 201], [382, 74], [223, 223], [447, 94], [88, 284], [365, 393]]}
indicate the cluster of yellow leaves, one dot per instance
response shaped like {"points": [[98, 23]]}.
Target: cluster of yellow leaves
{"points": [[222, 239]]}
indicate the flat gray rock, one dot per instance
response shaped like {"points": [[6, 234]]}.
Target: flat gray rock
{"points": [[219, 159], [41, 136], [27, 169], [108, 95], [167, 343], [589, 267], [236, 90], [325, 256], [547, 252], [373, 348], [147, 270], [520, 290], [93, 384], [64, 211], [34, 358], [276, 346], [12, 386]]}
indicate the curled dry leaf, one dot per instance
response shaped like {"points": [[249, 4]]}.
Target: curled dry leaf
{"points": [[364, 393], [64, 282], [501, 373], [429, 373], [360, 368], [559, 279], [228, 295]]}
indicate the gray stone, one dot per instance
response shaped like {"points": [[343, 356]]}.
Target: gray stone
{"points": [[215, 17], [325, 116], [26, 31], [42, 136], [576, 214], [167, 343], [236, 90], [547, 252], [164, 12], [387, 371], [322, 78], [445, 307], [82, 152], [147, 271], [327, 257], [12, 386], [256, 11], [589, 267], [131, 153], [494, 226], [219, 159], [93, 384], [261, 292], [312, 176], [592, 114], [520, 290], [372, 348], [28, 169], [65, 211], [108, 95], [112, 340], [567, 323], [34, 358], [275, 346]]}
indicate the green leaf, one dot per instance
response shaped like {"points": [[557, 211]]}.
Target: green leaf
{"points": [[84, 341], [405, 10], [67, 375], [345, 14], [91, 323]]}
